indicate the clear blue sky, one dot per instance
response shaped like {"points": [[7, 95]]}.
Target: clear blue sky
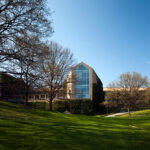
{"points": [[112, 36]]}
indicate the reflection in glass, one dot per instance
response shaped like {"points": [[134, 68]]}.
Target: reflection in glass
{"points": [[82, 85]]}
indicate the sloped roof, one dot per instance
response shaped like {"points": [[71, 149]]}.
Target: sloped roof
{"points": [[82, 63], [87, 66]]}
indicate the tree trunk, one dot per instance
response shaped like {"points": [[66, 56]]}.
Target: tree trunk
{"points": [[50, 104], [26, 89], [129, 111], [26, 95], [107, 110]]}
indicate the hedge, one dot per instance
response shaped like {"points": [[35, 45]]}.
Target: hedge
{"points": [[60, 105], [39, 105], [75, 106]]}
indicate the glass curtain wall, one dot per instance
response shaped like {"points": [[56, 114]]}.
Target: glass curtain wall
{"points": [[81, 85]]}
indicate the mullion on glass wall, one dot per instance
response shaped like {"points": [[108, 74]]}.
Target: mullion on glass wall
{"points": [[82, 85]]}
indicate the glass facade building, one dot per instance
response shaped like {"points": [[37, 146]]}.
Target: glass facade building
{"points": [[81, 86], [81, 82]]}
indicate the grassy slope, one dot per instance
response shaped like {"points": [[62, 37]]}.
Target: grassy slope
{"points": [[29, 129]]}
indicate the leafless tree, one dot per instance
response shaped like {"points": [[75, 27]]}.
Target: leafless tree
{"points": [[127, 90], [25, 65], [19, 17], [54, 67]]}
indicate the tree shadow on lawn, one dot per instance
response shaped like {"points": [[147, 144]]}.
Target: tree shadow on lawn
{"points": [[38, 130], [69, 134]]}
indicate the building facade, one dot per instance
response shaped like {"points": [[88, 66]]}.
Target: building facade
{"points": [[13, 90], [81, 81], [10, 87]]}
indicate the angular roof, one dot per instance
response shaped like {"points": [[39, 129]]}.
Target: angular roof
{"points": [[82, 63]]}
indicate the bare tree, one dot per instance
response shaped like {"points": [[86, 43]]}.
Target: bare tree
{"points": [[25, 65], [54, 67], [18, 17], [127, 91]]}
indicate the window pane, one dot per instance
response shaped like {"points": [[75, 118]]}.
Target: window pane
{"points": [[82, 84]]}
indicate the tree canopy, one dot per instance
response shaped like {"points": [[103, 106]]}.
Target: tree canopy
{"points": [[127, 91], [54, 66], [19, 17]]}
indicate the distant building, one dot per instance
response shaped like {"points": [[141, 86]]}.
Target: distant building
{"points": [[82, 83], [13, 89], [10, 87]]}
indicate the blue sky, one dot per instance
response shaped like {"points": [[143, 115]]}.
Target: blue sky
{"points": [[112, 36]]}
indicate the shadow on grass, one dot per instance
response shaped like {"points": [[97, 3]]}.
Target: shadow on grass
{"points": [[28, 129]]}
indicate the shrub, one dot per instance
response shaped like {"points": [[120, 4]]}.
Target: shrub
{"points": [[75, 106], [39, 105], [60, 105], [80, 106]]}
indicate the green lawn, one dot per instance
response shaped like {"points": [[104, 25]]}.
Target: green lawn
{"points": [[23, 128]]}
